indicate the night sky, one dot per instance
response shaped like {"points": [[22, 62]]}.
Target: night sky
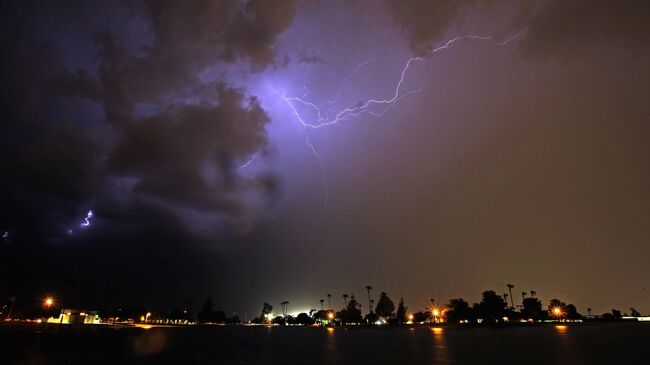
{"points": [[519, 152]]}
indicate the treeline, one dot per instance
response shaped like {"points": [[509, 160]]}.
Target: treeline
{"points": [[493, 308]]}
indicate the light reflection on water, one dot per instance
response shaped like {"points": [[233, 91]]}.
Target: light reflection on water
{"points": [[440, 349], [331, 348]]}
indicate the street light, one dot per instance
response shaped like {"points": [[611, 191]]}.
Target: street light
{"points": [[48, 302], [557, 312]]}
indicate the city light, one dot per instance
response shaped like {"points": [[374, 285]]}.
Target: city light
{"points": [[557, 312], [330, 315], [48, 302]]}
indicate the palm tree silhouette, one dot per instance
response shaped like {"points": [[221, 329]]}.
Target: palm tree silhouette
{"points": [[512, 304], [345, 300], [523, 295], [285, 308], [369, 288], [533, 293], [321, 304], [329, 301], [589, 311]]}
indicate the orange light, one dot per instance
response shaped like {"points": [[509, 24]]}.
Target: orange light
{"points": [[410, 317], [330, 315], [437, 330], [557, 311], [435, 312], [49, 301]]}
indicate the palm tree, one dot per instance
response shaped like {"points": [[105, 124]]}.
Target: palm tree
{"points": [[329, 301], [369, 288], [523, 295], [321, 304], [589, 311], [512, 304], [505, 297], [345, 300], [533, 293], [285, 307]]}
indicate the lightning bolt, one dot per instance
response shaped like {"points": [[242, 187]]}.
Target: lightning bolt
{"points": [[247, 163], [321, 116], [89, 216]]}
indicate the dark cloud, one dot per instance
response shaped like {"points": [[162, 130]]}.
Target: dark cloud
{"points": [[423, 22], [549, 26], [558, 26], [135, 129]]}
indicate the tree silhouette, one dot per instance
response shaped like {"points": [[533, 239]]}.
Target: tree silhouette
{"points": [[329, 301], [459, 310], [279, 320], [589, 311], [345, 300], [321, 304], [321, 316], [492, 306], [267, 309], [385, 306], [533, 293], [532, 308], [369, 288], [304, 319], [401, 311], [572, 312], [510, 287], [419, 317], [351, 313]]}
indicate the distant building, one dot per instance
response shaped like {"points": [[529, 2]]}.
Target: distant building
{"points": [[76, 316]]}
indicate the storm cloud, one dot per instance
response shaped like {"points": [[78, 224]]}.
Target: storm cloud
{"points": [[136, 126], [548, 26]]}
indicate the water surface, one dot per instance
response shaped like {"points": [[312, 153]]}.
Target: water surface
{"points": [[614, 343]]}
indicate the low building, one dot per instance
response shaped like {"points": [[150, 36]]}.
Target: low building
{"points": [[76, 316]]}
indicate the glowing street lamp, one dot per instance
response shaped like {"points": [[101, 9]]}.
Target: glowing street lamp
{"points": [[411, 318], [48, 302], [557, 312], [330, 316]]}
